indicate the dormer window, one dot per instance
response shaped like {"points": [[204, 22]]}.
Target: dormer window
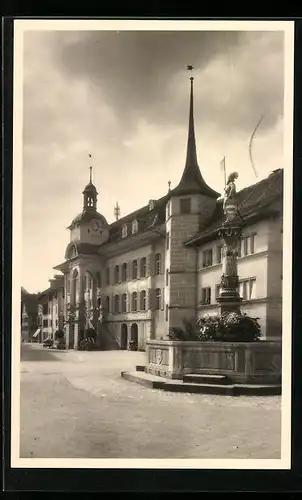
{"points": [[124, 231], [134, 227], [151, 204]]}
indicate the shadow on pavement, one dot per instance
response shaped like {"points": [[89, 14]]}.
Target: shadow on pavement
{"points": [[28, 353]]}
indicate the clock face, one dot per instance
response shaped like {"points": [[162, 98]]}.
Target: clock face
{"points": [[96, 226]]}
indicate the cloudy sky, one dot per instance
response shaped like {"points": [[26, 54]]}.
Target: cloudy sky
{"points": [[123, 97]]}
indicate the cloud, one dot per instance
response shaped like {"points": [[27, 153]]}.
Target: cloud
{"points": [[123, 97]]}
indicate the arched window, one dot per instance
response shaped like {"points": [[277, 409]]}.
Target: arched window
{"points": [[116, 274], [75, 287], [124, 272], [157, 263], [143, 267], [158, 298], [124, 302], [116, 303], [107, 304], [134, 301], [143, 300], [124, 231], [134, 227], [134, 269]]}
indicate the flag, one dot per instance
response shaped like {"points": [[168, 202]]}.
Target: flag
{"points": [[222, 166]]}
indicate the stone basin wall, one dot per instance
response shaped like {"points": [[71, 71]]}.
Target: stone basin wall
{"points": [[242, 362]]}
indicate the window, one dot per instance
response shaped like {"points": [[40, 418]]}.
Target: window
{"points": [[107, 305], [134, 269], [185, 205], [167, 277], [158, 298], [124, 231], [134, 227], [134, 301], [116, 274], [207, 258], [116, 303], [252, 243], [247, 289], [124, 302], [167, 241], [98, 279], [143, 267], [218, 291], [219, 254], [239, 248], [108, 275], [206, 295], [124, 272], [45, 308], [45, 323], [157, 263], [143, 300], [245, 245], [57, 323]]}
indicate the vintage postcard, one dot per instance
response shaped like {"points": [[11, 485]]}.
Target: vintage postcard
{"points": [[152, 221]]}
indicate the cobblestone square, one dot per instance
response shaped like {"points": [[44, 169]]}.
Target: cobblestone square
{"points": [[76, 405]]}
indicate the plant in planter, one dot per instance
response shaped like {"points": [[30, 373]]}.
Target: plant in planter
{"points": [[240, 327], [189, 331], [230, 327]]}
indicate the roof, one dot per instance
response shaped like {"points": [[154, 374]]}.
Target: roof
{"points": [[145, 217], [192, 181], [90, 188], [30, 300], [87, 215], [255, 201], [81, 248]]}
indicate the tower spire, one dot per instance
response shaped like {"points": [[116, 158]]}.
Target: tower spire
{"points": [[192, 180]]}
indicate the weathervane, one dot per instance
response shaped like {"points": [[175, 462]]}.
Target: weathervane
{"points": [[169, 185], [90, 168], [117, 211], [190, 68]]}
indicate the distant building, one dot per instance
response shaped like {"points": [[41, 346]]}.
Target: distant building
{"points": [[29, 315], [146, 272], [51, 309]]}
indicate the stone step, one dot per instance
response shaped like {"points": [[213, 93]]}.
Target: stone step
{"points": [[151, 381], [140, 368], [206, 378], [155, 382], [198, 388]]}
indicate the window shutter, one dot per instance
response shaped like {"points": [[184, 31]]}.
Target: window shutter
{"points": [[162, 299], [129, 271], [150, 300], [151, 262], [162, 263], [138, 268]]}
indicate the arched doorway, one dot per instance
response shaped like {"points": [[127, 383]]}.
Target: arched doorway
{"points": [[124, 336], [134, 335]]}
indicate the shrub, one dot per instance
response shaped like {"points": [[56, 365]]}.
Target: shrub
{"points": [[59, 335], [237, 327]]}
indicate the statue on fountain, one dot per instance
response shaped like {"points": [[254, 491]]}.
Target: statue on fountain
{"points": [[230, 198], [230, 232]]}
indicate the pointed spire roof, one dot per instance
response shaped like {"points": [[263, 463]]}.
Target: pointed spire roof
{"points": [[192, 180]]}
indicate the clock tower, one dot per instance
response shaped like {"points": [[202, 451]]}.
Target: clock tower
{"points": [[89, 226]]}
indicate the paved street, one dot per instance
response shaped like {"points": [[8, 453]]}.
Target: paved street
{"points": [[76, 405]]}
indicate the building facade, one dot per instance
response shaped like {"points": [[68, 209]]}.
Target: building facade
{"points": [[29, 315], [51, 309], [144, 273]]}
